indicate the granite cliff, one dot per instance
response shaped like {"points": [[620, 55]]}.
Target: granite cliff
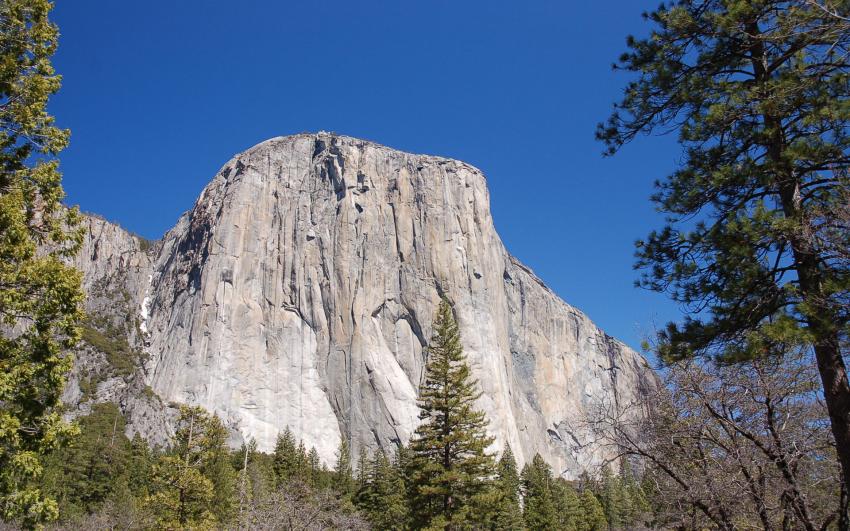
{"points": [[299, 291]]}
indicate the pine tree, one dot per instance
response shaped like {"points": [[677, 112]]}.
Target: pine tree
{"points": [[567, 505], [400, 468], [139, 467], [181, 496], [314, 468], [343, 476], [362, 469], [383, 500], [449, 465], [85, 474], [592, 515], [637, 507], [285, 457], [302, 463], [539, 511], [401, 462], [757, 91], [40, 296], [613, 498], [216, 467], [507, 514]]}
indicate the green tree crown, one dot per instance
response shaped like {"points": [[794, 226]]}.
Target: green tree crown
{"points": [[449, 463]]}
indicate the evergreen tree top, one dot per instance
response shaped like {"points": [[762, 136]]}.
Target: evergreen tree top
{"points": [[449, 466]]}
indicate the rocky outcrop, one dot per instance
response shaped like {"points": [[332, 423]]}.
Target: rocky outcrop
{"points": [[109, 361], [300, 288]]}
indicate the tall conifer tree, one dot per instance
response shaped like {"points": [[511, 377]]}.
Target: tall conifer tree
{"points": [[592, 515], [507, 514], [567, 505], [449, 465], [613, 497], [638, 506], [314, 467], [539, 511], [302, 463], [40, 296], [285, 457], [384, 498], [181, 495], [343, 473], [753, 248], [139, 467], [217, 467], [362, 468]]}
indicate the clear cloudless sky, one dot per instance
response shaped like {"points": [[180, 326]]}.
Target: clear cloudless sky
{"points": [[159, 94]]}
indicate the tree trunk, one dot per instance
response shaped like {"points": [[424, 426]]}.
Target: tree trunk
{"points": [[836, 392], [821, 321], [820, 318]]}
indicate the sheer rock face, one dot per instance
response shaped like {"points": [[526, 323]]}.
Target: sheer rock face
{"points": [[299, 291]]}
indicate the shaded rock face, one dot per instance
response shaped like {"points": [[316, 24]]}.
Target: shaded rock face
{"points": [[299, 291]]}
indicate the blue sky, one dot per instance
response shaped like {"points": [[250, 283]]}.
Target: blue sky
{"points": [[159, 94]]}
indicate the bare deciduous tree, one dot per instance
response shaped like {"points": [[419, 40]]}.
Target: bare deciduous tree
{"points": [[297, 507], [744, 446]]}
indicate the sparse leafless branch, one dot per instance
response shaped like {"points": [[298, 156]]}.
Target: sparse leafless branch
{"points": [[744, 446]]}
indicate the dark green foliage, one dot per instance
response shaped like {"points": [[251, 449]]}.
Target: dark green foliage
{"points": [[567, 505], [302, 465], [84, 475], [553, 503], [139, 467], [382, 499], [181, 495], [449, 466], [539, 512], [295, 463], [285, 457], [755, 246], [198, 482], [217, 467], [362, 469], [637, 500], [314, 468], [343, 475], [591, 515], [506, 511], [613, 497]]}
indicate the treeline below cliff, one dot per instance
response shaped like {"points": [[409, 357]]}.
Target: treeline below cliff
{"points": [[445, 478], [107, 481], [719, 446]]}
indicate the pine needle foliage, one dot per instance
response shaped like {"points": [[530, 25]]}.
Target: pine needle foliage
{"points": [[40, 296], [183, 493], [343, 474], [756, 235], [507, 513], [285, 459], [537, 482], [449, 465]]}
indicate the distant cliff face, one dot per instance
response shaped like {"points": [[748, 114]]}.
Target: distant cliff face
{"points": [[299, 291]]}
